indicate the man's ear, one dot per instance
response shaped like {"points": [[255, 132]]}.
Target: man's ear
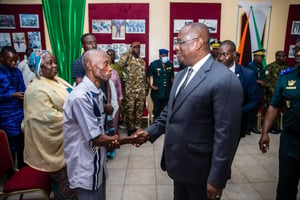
{"points": [[89, 66], [199, 43], [234, 54]]}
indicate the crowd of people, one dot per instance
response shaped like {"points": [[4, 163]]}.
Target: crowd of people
{"points": [[204, 111]]}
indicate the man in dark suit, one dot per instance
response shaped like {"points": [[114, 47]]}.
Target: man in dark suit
{"points": [[201, 122], [252, 95]]}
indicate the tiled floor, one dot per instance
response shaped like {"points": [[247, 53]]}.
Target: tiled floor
{"points": [[135, 174]]}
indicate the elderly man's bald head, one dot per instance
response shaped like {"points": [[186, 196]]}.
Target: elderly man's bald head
{"points": [[197, 30], [97, 65]]}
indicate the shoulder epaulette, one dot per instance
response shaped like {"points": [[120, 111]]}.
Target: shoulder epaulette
{"points": [[286, 71]]}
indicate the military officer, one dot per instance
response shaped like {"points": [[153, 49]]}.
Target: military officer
{"points": [[272, 72], [162, 73], [258, 68], [214, 48], [287, 95], [136, 87]]}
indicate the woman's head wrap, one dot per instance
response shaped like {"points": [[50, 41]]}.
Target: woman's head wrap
{"points": [[35, 59]]}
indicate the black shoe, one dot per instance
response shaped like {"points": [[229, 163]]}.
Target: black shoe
{"points": [[255, 130], [248, 133]]}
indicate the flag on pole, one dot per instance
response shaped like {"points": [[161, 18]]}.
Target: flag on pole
{"points": [[258, 41], [243, 39]]}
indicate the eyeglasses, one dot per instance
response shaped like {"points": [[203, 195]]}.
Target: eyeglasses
{"points": [[182, 42]]}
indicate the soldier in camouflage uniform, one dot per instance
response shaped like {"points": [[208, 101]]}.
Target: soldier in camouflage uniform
{"points": [[272, 73], [135, 86]]}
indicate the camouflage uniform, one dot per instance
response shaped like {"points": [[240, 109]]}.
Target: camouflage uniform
{"points": [[272, 74], [135, 89]]}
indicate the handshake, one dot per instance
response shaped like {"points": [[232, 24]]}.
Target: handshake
{"points": [[114, 142]]}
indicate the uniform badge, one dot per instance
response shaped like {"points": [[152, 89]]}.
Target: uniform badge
{"points": [[291, 85]]}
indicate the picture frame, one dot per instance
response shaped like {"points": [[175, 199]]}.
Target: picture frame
{"points": [[118, 29], [29, 20], [291, 51], [212, 24], [34, 40], [19, 41], [295, 28], [137, 26], [101, 26], [7, 22], [174, 42], [143, 51], [179, 23], [5, 40]]}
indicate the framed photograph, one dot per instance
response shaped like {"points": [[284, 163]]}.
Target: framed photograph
{"points": [[34, 40], [29, 21], [295, 28], [175, 61], [101, 26], [5, 40], [135, 25], [212, 24], [179, 23], [118, 29], [143, 50], [174, 42], [291, 52], [7, 22], [19, 41]]}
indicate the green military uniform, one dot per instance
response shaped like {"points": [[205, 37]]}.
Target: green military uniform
{"points": [[287, 95], [135, 86], [272, 74], [162, 78]]}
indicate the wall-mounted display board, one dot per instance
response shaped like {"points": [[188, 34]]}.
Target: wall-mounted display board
{"points": [[22, 26], [184, 13], [117, 25], [292, 33]]}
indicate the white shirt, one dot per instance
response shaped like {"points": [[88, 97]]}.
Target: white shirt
{"points": [[195, 68], [86, 163]]}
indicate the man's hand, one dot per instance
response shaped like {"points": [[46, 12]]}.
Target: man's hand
{"points": [[18, 95], [108, 109], [111, 142], [213, 192], [264, 142], [140, 137]]}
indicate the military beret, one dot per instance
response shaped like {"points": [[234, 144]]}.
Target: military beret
{"points": [[163, 51], [259, 52], [134, 44]]}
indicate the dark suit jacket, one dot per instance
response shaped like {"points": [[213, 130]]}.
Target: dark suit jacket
{"points": [[252, 96], [202, 128]]}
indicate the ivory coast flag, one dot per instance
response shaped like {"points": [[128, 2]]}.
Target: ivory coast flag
{"points": [[257, 20]]}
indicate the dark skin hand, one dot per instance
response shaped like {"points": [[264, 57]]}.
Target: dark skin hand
{"points": [[108, 109], [213, 192], [18, 95]]}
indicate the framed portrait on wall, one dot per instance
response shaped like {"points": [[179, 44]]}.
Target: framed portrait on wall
{"points": [[19, 41], [135, 25], [101, 26], [7, 22], [5, 40], [29, 21], [291, 51], [34, 40], [179, 23], [295, 28], [118, 29], [212, 24]]}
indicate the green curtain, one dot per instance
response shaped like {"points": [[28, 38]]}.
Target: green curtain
{"points": [[65, 20]]}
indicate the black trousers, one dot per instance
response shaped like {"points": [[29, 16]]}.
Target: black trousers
{"points": [[289, 172], [185, 191]]}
